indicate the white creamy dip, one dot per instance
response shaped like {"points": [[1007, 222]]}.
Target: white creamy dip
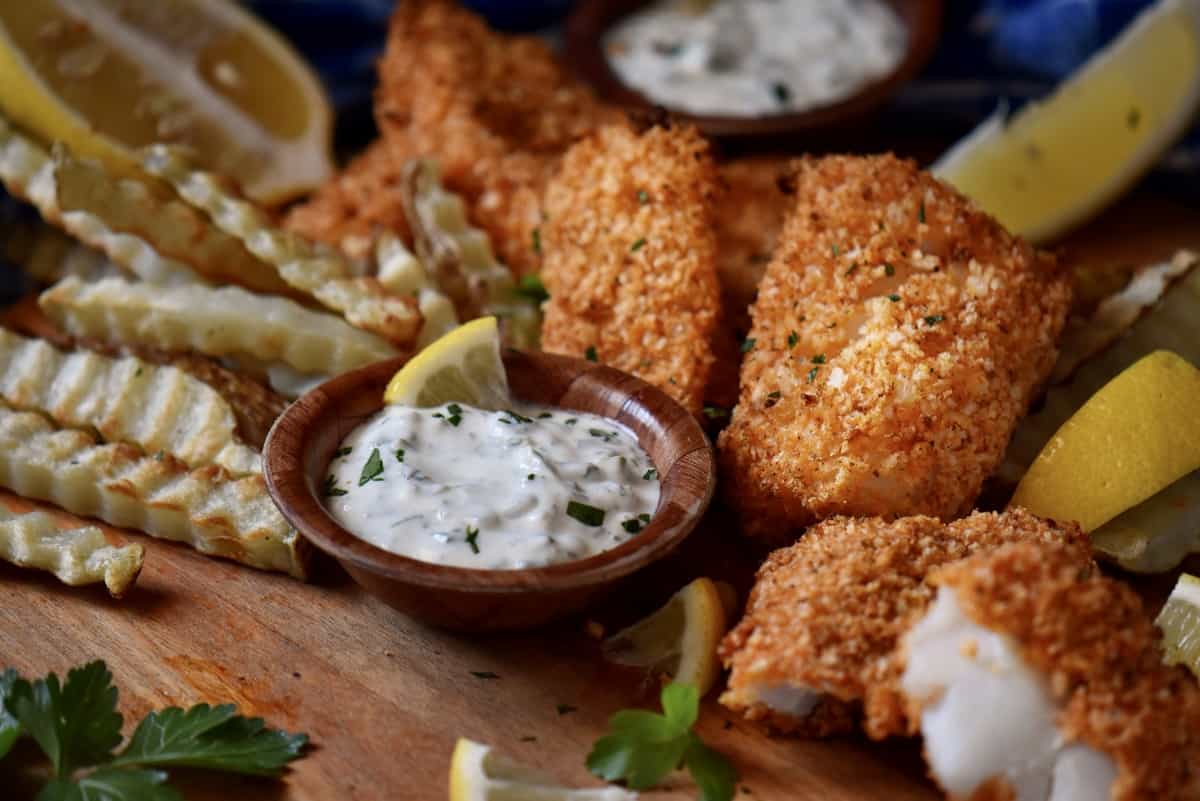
{"points": [[456, 485], [752, 58]]}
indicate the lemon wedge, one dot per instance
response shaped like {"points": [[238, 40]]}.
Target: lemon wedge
{"points": [[107, 78], [1057, 162], [1180, 624], [462, 366], [680, 639], [479, 774], [1136, 436]]}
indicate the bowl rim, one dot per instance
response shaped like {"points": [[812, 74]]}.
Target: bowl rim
{"points": [[296, 496], [583, 36]]}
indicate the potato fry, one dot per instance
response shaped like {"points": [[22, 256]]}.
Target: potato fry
{"points": [[119, 484], [402, 273], [173, 229], [124, 400], [76, 556], [28, 172], [459, 257], [225, 321], [318, 271]]}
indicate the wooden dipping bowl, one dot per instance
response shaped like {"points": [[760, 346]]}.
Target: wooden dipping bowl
{"points": [[584, 51], [300, 447]]}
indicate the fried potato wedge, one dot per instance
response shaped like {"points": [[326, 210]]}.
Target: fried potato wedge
{"points": [[460, 257], [124, 400], [224, 321], [76, 556], [317, 271], [28, 172], [206, 508]]}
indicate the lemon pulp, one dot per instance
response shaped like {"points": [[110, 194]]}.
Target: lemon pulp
{"points": [[109, 77], [479, 774], [1057, 162], [1180, 624]]}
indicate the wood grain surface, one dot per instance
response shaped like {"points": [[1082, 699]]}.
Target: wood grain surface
{"points": [[384, 697]]}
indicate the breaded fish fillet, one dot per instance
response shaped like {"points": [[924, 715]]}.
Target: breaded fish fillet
{"points": [[899, 333], [1039, 680], [497, 112], [630, 257], [359, 203], [815, 647]]}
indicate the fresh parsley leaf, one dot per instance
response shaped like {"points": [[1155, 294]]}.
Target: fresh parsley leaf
{"points": [[588, 515], [714, 412], [340, 452], [934, 319], [331, 489], [532, 289], [888, 269], [793, 338], [10, 729], [400, 455], [372, 469], [642, 747], [537, 240], [212, 737], [921, 211], [590, 354], [76, 724], [632, 525], [748, 344], [650, 475], [607, 436], [819, 358], [638, 245], [712, 773], [112, 784], [643, 197], [644, 517], [812, 374], [893, 298], [472, 537]]}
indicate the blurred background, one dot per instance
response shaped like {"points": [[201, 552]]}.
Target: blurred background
{"points": [[989, 52]]}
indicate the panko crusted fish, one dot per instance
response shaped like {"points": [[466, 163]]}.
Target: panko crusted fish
{"points": [[630, 257], [898, 335], [816, 647], [1036, 679]]}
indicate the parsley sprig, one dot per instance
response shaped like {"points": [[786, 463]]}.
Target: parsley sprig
{"points": [[642, 747], [77, 726]]}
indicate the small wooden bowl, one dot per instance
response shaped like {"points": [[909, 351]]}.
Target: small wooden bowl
{"points": [[301, 444], [584, 50]]}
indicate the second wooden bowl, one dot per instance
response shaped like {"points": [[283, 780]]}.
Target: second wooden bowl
{"points": [[301, 444]]}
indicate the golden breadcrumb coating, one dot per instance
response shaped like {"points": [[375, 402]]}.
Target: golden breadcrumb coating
{"points": [[630, 257], [750, 216], [357, 204], [496, 111], [1101, 654], [899, 333], [828, 612]]}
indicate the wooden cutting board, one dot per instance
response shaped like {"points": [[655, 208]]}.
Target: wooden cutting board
{"points": [[384, 698]]}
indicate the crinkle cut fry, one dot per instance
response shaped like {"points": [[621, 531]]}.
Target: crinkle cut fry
{"points": [[1101, 654], [497, 112], [125, 400], [828, 612], [899, 334], [76, 556], [630, 257], [119, 484]]}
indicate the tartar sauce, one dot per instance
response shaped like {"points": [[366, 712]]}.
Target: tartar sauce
{"points": [[754, 58], [456, 485]]}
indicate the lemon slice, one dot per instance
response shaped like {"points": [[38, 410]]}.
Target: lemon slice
{"points": [[1136, 436], [680, 639], [478, 774], [463, 366], [107, 78], [1180, 624], [1056, 163]]}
